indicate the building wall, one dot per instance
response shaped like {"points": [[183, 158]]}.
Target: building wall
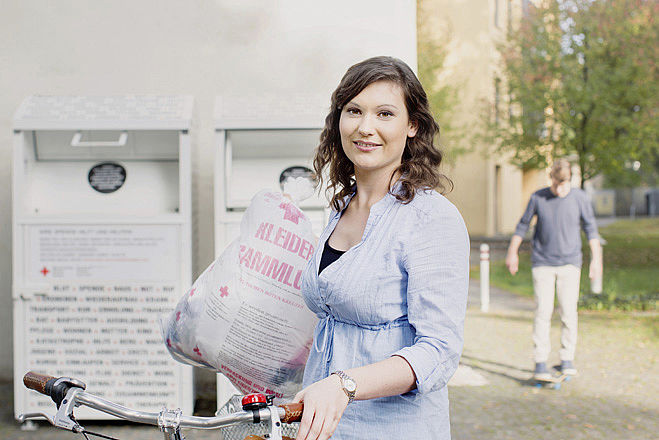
{"points": [[532, 181], [489, 198], [512, 196], [77, 47]]}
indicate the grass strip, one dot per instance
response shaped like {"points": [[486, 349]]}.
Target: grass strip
{"points": [[631, 269]]}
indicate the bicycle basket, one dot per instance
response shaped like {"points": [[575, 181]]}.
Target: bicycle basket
{"points": [[239, 432]]}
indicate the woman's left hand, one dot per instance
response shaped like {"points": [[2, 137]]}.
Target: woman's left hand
{"points": [[324, 403]]}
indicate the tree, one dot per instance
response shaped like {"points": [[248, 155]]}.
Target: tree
{"points": [[583, 82], [433, 37]]}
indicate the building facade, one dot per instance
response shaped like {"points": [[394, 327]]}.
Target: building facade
{"points": [[490, 192]]}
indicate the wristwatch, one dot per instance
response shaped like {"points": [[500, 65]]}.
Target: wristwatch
{"points": [[349, 385]]}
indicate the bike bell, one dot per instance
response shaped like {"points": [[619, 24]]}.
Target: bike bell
{"points": [[254, 401]]}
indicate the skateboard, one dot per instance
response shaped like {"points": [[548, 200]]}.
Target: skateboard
{"points": [[554, 381]]}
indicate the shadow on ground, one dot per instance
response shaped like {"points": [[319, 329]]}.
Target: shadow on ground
{"points": [[545, 414], [520, 375]]}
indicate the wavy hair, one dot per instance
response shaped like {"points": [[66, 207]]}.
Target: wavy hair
{"points": [[419, 168]]}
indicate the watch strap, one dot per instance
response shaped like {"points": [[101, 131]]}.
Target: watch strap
{"points": [[343, 376]]}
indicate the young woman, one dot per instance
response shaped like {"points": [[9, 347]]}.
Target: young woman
{"points": [[389, 276]]}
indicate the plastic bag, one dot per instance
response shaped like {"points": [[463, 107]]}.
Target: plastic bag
{"points": [[245, 316]]}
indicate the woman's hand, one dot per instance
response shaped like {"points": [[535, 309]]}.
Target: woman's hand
{"points": [[324, 403]]}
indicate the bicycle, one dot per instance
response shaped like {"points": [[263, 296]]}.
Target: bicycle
{"points": [[69, 393]]}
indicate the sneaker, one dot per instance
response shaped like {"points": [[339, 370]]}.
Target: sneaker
{"points": [[541, 372], [567, 368]]}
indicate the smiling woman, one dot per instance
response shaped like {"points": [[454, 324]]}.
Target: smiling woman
{"points": [[374, 128], [388, 278], [420, 160]]}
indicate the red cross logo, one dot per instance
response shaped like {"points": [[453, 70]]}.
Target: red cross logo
{"points": [[224, 291], [44, 271], [192, 292], [291, 212], [196, 350], [178, 315]]}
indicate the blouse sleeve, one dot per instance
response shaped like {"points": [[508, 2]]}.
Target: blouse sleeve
{"points": [[437, 265]]}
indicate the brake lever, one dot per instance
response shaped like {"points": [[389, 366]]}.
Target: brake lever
{"points": [[22, 418], [64, 417]]}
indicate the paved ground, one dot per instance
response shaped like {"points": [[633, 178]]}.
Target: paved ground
{"points": [[614, 397]]}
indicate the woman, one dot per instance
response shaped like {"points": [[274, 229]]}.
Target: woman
{"points": [[389, 276]]}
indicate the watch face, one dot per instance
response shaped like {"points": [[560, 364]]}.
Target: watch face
{"points": [[350, 385]]}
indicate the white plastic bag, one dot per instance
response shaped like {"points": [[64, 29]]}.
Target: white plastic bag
{"points": [[245, 316]]}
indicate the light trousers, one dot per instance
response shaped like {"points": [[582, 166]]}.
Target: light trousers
{"points": [[564, 281]]}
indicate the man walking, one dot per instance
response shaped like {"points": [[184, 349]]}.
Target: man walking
{"points": [[556, 259]]}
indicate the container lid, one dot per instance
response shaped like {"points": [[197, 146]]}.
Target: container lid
{"points": [[128, 112], [254, 112]]}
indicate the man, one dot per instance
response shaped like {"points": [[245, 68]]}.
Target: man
{"points": [[556, 260]]}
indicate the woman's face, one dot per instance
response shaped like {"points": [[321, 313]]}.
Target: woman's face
{"points": [[374, 127]]}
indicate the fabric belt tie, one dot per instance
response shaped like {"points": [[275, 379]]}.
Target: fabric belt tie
{"points": [[325, 329]]}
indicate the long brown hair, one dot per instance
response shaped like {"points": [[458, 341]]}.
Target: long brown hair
{"points": [[419, 166]]}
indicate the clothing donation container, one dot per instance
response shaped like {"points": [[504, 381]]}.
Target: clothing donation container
{"points": [[261, 142], [102, 245]]}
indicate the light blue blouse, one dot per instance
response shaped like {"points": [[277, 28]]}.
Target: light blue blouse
{"points": [[402, 290]]}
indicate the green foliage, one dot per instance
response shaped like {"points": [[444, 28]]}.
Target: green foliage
{"points": [[432, 49], [631, 262], [631, 244], [583, 81], [521, 283], [610, 299], [631, 269]]}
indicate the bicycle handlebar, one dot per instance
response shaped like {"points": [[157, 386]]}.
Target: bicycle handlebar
{"points": [[292, 412], [57, 389], [37, 382]]}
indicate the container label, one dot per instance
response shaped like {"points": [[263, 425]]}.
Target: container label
{"points": [[107, 335], [104, 252], [107, 177]]}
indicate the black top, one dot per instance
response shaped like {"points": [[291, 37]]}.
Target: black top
{"points": [[330, 255]]}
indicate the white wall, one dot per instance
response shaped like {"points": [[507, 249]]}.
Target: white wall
{"points": [[202, 48]]}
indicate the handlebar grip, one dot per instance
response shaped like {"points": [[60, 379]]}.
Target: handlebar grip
{"points": [[37, 382], [293, 412]]}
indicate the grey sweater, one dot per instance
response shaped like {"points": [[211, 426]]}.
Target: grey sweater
{"points": [[557, 239]]}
